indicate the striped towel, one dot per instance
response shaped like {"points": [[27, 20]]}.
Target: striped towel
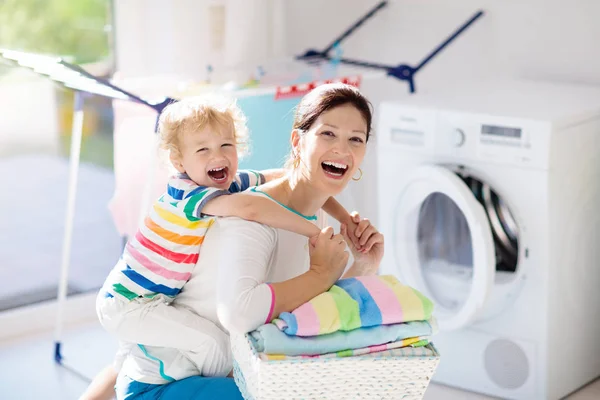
{"points": [[357, 303], [413, 347]]}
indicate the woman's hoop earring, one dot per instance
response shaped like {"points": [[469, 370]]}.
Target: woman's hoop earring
{"points": [[296, 163], [360, 177]]}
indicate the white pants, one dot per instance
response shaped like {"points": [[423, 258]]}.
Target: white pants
{"points": [[156, 323]]}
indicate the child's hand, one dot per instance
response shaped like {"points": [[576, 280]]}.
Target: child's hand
{"points": [[358, 231]]}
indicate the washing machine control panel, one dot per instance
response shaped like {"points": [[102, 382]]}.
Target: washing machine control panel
{"points": [[461, 135]]}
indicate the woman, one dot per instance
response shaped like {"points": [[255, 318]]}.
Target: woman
{"points": [[250, 272]]}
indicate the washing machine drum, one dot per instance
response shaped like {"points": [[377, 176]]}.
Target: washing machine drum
{"points": [[502, 223], [453, 234]]}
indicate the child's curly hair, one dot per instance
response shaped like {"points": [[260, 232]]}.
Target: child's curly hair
{"points": [[195, 113]]}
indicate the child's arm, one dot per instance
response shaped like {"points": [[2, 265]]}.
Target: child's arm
{"points": [[259, 209], [339, 213], [336, 210]]}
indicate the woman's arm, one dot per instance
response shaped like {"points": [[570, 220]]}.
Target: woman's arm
{"points": [[245, 299], [259, 209]]}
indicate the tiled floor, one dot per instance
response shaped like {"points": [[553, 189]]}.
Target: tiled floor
{"points": [[28, 371]]}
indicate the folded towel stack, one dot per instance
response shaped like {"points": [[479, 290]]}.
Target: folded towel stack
{"points": [[356, 317]]}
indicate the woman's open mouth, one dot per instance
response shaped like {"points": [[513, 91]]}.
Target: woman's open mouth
{"points": [[218, 175], [333, 169]]}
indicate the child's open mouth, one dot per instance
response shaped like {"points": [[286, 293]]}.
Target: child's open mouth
{"points": [[219, 175], [333, 169]]}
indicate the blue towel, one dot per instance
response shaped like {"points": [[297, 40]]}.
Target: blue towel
{"points": [[269, 339]]}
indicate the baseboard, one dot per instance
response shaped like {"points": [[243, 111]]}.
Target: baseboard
{"points": [[41, 317]]}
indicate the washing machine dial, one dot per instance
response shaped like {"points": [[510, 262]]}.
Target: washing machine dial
{"points": [[457, 137]]}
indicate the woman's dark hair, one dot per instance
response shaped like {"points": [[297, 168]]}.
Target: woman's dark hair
{"points": [[326, 97]]}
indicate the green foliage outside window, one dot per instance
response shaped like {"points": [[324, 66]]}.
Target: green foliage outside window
{"points": [[74, 29]]}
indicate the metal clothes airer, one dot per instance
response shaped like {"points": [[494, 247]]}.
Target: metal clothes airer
{"points": [[402, 72]]}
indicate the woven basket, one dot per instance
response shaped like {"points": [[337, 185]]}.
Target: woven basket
{"points": [[362, 377]]}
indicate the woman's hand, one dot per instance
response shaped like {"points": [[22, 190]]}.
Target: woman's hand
{"points": [[328, 256], [366, 244]]}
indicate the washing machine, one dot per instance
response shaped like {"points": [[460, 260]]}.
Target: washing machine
{"points": [[488, 201]]}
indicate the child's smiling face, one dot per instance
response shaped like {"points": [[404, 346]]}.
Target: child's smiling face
{"points": [[208, 156]]}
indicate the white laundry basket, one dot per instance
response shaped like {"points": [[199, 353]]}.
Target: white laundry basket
{"points": [[359, 377]]}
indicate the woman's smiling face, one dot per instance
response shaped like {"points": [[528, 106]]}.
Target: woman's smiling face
{"points": [[333, 148]]}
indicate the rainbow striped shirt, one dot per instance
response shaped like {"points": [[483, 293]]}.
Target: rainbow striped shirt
{"points": [[165, 250]]}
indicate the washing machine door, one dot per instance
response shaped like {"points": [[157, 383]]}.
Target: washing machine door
{"points": [[443, 244]]}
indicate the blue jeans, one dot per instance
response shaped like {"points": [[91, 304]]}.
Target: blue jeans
{"points": [[194, 387]]}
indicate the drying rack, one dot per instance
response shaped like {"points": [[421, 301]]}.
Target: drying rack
{"points": [[403, 72]]}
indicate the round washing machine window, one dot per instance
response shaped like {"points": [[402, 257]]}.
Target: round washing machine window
{"points": [[445, 251], [444, 243]]}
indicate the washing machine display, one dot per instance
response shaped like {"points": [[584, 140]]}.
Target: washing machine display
{"points": [[501, 131]]}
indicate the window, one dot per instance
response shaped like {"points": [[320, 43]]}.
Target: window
{"points": [[35, 130]]}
